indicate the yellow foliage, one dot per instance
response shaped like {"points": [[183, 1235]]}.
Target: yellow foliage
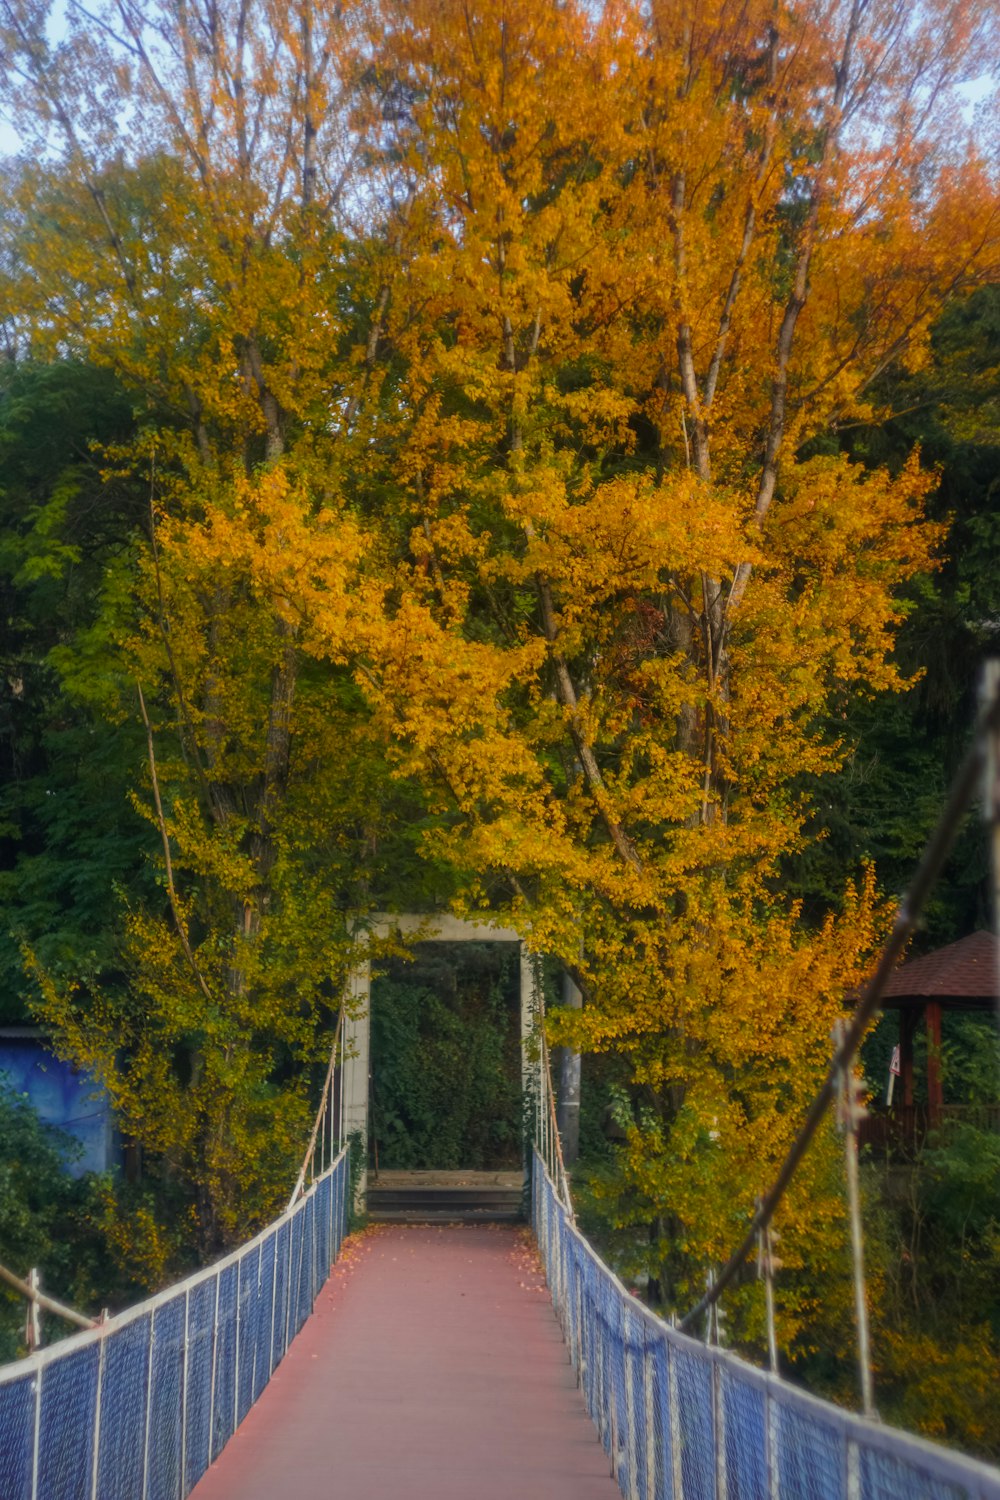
{"points": [[947, 1391], [482, 348]]}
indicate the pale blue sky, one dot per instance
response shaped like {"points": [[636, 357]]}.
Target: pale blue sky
{"points": [[974, 92]]}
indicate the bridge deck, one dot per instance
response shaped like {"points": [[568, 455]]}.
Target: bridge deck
{"points": [[432, 1366]]}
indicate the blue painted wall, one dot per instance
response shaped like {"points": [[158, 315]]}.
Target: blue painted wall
{"points": [[61, 1096]]}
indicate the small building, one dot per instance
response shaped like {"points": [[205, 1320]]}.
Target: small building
{"points": [[61, 1096], [960, 977]]}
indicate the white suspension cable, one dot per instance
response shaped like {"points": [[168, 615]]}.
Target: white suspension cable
{"points": [[325, 1099]]}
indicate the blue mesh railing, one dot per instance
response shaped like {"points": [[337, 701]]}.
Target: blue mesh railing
{"points": [[682, 1421], [138, 1408]]}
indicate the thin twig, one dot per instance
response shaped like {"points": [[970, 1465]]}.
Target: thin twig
{"points": [[171, 889], [165, 633]]}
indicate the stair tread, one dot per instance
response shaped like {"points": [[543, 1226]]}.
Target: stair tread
{"points": [[462, 1178], [448, 1195], [443, 1216]]}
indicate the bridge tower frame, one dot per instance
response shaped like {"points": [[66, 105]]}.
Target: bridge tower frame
{"points": [[426, 928]]}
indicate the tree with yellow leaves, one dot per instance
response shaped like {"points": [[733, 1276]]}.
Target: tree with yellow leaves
{"points": [[496, 351], [186, 219], [653, 260]]}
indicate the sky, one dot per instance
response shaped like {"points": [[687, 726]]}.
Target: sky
{"points": [[974, 93]]}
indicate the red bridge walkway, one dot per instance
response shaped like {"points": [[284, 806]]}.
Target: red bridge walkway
{"points": [[433, 1365]]}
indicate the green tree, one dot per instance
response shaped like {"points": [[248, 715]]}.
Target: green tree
{"points": [[905, 749], [48, 1218], [68, 837], [446, 1081], [190, 242], [493, 341]]}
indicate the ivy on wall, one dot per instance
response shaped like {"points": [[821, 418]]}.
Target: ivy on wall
{"points": [[446, 1067]]}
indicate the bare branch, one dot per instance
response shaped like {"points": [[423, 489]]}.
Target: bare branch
{"points": [[168, 862]]}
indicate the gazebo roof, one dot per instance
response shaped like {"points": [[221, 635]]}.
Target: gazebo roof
{"points": [[963, 973]]}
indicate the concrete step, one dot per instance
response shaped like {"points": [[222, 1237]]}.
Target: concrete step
{"points": [[393, 1177], [443, 1197], [444, 1216], [486, 1202]]}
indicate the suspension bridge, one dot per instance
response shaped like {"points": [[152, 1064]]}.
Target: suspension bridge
{"points": [[430, 1364], [453, 1362]]}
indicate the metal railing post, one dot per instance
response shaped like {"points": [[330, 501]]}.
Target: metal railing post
{"points": [[851, 1110], [852, 1462], [314, 1251], [290, 1282], [608, 1391], [676, 1467], [215, 1355], [295, 1289], [149, 1403], [335, 1197], [771, 1447], [236, 1359], [580, 1366], [719, 1424], [35, 1453], [33, 1326], [98, 1397], [767, 1264], [184, 1391], [630, 1419], [274, 1298], [256, 1342], [648, 1378]]}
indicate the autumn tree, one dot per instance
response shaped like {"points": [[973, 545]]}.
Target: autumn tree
{"points": [[651, 258], [500, 340], [906, 751], [187, 221]]}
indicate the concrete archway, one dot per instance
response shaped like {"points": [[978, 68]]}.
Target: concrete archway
{"points": [[357, 1026]]}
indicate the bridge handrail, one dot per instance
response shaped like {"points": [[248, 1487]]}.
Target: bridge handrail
{"points": [[681, 1420], [139, 1406]]}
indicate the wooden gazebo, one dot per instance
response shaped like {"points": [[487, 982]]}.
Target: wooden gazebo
{"points": [[961, 977]]}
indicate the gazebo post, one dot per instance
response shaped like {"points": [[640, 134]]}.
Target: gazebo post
{"points": [[935, 1092], [907, 1020], [961, 976]]}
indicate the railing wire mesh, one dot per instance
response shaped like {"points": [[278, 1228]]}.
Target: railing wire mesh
{"points": [[138, 1408], [680, 1420]]}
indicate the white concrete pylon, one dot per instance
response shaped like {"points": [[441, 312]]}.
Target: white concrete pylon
{"points": [[424, 928]]}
